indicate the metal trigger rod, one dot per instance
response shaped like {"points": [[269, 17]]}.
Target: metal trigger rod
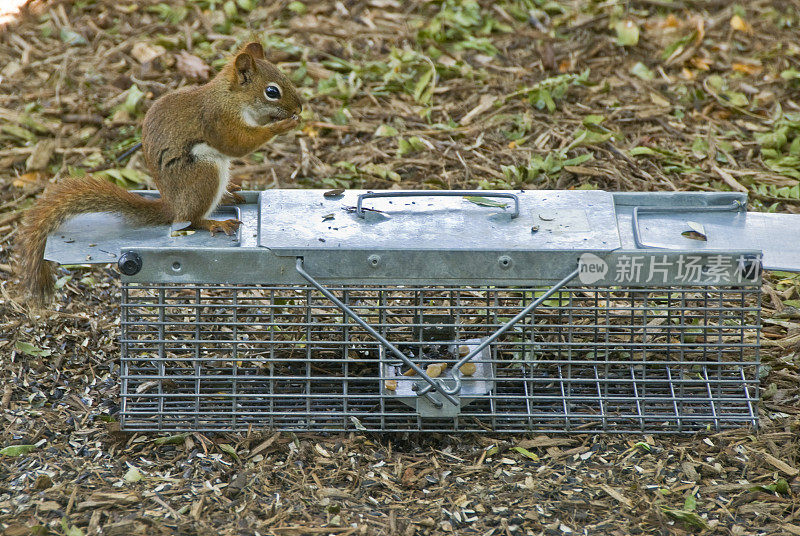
{"points": [[508, 325], [328, 294]]}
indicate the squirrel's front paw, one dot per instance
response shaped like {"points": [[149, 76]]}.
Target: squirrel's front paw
{"points": [[232, 198], [284, 125]]}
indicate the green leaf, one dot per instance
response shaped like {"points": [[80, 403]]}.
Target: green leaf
{"points": [[298, 8], [526, 453], [18, 131], [690, 504], [29, 349], [578, 160], [766, 489], [230, 10], [410, 145], [420, 94], [590, 137], [641, 70], [177, 439], [485, 201], [593, 119], [734, 98], [71, 37], [689, 518], [491, 451], [790, 74], [124, 177], [166, 12], [380, 170], [132, 475], [133, 98], [627, 33], [403, 147], [700, 147], [385, 131], [63, 280], [17, 450], [70, 530], [247, 5], [676, 47], [543, 99], [773, 140], [230, 451], [639, 151]]}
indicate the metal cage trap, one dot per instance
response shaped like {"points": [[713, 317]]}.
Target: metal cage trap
{"points": [[560, 311]]}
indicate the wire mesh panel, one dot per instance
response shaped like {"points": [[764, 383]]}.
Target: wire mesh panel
{"points": [[213, 357]]}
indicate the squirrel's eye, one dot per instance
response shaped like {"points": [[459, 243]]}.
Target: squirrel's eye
{"points": [[272, 92]]}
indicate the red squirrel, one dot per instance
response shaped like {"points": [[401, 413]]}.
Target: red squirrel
{"points": [[188, 138]]}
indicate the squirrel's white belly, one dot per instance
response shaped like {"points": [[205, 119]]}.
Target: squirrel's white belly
{"points": [[203, 151]]}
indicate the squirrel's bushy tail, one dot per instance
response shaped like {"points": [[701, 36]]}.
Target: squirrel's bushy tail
{"points": [[67, 198]]}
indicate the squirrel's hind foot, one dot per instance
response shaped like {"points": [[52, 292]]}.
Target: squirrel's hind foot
{"points": [[228, 227]]}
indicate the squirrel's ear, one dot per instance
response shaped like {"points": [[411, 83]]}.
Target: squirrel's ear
{"points": [[244, 66], [254, 49]]}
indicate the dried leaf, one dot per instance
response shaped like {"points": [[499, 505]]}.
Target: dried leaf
{"points": [[698, 232], [192, 67], [486, 102], [746, 68], [741, 25], [145, 52], [357, 423], [42, 152], [26, 179]]}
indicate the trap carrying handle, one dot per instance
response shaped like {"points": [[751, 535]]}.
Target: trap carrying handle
{"points": [[637, 234], [437, 385], [436, 193]]}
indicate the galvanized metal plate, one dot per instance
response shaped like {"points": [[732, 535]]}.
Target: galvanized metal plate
{"points": [[97, 238], [773, 234], [298, 221], [473, 386]]}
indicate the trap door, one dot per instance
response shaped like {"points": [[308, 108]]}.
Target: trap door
{"points": [[708, 221]]}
